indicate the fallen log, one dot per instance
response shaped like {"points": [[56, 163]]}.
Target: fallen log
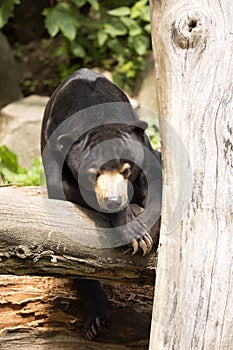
{"points": [[45, 312], [38, 236]]}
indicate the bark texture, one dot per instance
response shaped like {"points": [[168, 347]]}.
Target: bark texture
{"points": [[41, 236], [45, 313], [193, 45]]}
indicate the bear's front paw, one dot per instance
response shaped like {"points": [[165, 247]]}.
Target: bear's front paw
{"points": [[145, 243], [93, 327]]}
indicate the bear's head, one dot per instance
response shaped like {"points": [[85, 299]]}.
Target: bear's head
{"points": [[106, 161], [111, 184]]}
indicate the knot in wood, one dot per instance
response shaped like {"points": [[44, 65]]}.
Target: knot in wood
{"points": [[189, 30], [22, 252]]}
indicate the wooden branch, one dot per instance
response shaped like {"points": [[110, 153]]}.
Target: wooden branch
{"points": [[49, 237], [193, 45]]}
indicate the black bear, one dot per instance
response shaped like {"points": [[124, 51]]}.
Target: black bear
{"points": [[96, 154]]}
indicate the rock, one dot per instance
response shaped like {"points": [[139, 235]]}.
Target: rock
{"points": [[103, 71], [20, 125], [145, 86], [9, 78]]}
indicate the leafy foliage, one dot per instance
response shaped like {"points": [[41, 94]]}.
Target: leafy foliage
{"points": [[98, 35], [154, 136], [93, 33], [61, 18], [12, 172], [6, 10]]}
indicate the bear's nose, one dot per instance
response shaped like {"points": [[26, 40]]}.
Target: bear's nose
{"points": [[113, 202]]}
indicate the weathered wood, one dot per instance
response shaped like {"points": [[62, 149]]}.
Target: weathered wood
{"points": [[193, 45], [40, 236], [45, 313]]}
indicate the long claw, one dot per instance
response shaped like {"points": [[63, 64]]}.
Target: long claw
{"points": [[93, 329], [149, 238], [135, 246], [88, 335], [97, 320], [149, 242], [143, 245]]}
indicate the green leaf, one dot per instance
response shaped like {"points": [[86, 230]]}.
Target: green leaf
{"points": [[141, 44], [154, 135], [51, 22], [78, 50], [134, 28], [148, 28], [61, 18], [120, 11], [12, 172], [146, 14], [79, 3], [35, 176], [115, 29], [9, 160], [12, 177], [61, 50], [94, 4], [128, 69], [138, 9], [6, 10], [102, 37], [115, 46]]}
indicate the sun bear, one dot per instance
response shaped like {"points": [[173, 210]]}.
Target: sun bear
{"points": [[96, 154]]}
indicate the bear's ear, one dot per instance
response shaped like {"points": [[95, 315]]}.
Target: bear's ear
{"points": [[63, 142]]}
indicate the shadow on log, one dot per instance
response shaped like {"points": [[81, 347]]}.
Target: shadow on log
{"points": [[44, 312]]}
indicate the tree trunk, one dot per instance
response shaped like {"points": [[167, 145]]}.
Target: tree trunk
{"points": [[193, 304]]}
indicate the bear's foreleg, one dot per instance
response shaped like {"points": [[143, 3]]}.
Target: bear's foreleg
{"points": [[128, 225], [94, 306]]}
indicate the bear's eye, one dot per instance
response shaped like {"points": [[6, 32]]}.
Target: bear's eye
{"points": [[93, 174], [125, 171]]}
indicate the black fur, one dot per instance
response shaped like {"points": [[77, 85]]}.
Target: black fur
{"points": [[65, 149]]}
